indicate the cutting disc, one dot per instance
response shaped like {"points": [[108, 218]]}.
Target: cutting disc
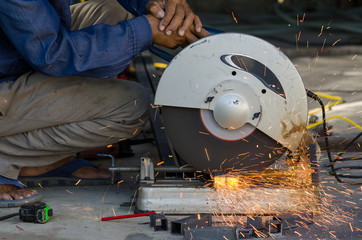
{"points": [[210, 154], [232, 102]]}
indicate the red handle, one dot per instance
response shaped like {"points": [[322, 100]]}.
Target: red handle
{"points": [[128, 216]]}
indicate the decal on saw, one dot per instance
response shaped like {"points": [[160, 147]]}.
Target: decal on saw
{"points": [[257, 69]]}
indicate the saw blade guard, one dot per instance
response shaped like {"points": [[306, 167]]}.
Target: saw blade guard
{"points": [[239, 83]]}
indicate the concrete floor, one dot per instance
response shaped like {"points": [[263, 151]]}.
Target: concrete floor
{"points": [[78, 209]]}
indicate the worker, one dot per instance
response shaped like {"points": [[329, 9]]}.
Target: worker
{"points": [[58, 94]]}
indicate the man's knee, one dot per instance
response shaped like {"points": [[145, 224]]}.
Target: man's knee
{"points": [[133, 101], [97, 12]]}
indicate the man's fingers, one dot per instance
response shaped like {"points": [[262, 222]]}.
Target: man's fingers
{"points": [[186, 24], [176, 21], [203, 33], [198, 24], [155, 9], [169, 14], [190, 37]]}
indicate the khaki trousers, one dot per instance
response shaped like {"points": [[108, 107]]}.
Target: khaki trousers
{"points": [[45, 119]]}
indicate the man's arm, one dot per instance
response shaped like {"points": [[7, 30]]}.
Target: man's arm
{"points": [[35, 30]]}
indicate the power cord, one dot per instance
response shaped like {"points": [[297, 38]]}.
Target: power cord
{"points": [[8, 216], [332, 162]]}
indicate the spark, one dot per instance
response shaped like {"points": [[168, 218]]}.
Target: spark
{"points": [[105, 193], [133, 199], [334, 236], [302, 20], [297, 19], [109, 146], [135, 132], [336, 42], [324, 42], [40, 185], [350, 225], [69, 192], [298, 233], [76, 184], [236, 21], [203, 133], [242, 154], [207, 155], [155, 115], [160, 163], [135, 102], [120, 181], [264, 69], [321, 31], [316, 58], [114, 212]]}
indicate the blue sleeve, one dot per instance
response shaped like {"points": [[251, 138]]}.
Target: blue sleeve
{"points": [[136, 7], [34, 28]]}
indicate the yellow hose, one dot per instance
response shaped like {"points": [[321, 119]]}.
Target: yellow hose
{"points": [[339, 100], [340, 117]]}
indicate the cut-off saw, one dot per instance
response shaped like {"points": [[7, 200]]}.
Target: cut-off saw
{"points": [[231, 102]]}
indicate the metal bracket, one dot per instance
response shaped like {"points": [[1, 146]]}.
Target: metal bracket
{"points": [[110, 156], [244, 233], [275, 227], [178, 226], [158, 222], [147, 170]]}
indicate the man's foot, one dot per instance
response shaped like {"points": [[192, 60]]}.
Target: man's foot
{"points": [[11, 192], [87, 172]]}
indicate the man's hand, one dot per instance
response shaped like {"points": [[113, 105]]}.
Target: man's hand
{"points": [[175, 15], [174, 40]]}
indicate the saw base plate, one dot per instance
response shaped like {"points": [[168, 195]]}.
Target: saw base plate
{"points": [[270, 192], [186, 198]]}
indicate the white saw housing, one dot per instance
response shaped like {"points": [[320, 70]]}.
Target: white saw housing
{"points": [[239, 83]]}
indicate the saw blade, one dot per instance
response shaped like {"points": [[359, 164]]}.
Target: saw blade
{"points": [[208, 153]]}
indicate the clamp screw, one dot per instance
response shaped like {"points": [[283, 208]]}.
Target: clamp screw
{"points": [[256, 115], [209, 99]]}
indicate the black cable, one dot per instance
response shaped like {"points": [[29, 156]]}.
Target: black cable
{"points": [[350, 144], [325, 129], [9, 216]]}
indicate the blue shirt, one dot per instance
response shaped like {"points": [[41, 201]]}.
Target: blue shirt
{"points": [[35, 35]]}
